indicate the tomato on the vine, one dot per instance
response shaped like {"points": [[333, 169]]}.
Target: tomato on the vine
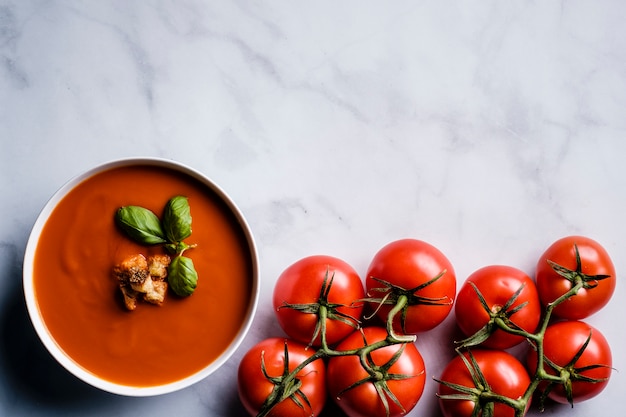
{"points": [[567, 261], [265, 362], [589, 366], [393, 385], [505, 375], [508, 294], [314, 282], [418, 271]]}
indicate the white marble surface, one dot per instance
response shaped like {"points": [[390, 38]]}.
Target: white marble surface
{"points": [[487, 128]]}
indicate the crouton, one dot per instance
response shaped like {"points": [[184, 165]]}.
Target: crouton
{"points": [[140, 277], [133, 270], [157, 295], [157, 265], [129, 295]]}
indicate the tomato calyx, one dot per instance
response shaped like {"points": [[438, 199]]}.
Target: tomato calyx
{"points": [[286, 386], [566, 375], [402, 298], [480, 394], [547, 375], [499, 318], [378, 375], [324, 310], [576, 276]]}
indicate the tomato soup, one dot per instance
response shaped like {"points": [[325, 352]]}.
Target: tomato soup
{"points": [[81, 304]]}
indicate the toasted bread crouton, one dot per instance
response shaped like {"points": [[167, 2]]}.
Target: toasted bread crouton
{"points": [[157, 295], [133, 270], [157, 265], [130, 296], [135, 277]]}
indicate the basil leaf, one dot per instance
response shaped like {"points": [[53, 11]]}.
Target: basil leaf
{"points": [[182, 276], [177, 219], [140, 224]]}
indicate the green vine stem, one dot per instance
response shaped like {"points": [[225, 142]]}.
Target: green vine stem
{"points": [[486, 397], [393, 337], [287, 386], [395, 295]]}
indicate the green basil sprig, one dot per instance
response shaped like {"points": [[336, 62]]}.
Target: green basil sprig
{"points": [[182, 276], [177, 219], [144, 227]]}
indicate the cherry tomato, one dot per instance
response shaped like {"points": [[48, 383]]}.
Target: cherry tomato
{"points": [[422, 272], [499, 286], [402, 377], [502, 371], [594, 263], [312, 281], [254, 387], [562, 342]]}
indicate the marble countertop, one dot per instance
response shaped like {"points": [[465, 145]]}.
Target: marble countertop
{"points": [[486, 128]]}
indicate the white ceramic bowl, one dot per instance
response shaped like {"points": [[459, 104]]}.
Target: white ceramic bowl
{"points": [[48, 339]]}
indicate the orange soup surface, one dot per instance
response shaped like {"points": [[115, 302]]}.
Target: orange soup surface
{"points": [[80, 301]]}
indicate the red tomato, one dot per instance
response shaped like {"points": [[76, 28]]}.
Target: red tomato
{"points": [[503, 372], [594, 262], [498, 285], [408, 265], [298, 294], [562, 342], [365, 400], [254, 387]]}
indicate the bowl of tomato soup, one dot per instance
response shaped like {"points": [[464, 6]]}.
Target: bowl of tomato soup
{"points": [[74, 297]]}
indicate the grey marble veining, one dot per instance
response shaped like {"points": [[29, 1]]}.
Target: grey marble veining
{"points": [[486, 128]]}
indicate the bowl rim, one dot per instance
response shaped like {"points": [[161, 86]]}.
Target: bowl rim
{"points": [[37, 320]]}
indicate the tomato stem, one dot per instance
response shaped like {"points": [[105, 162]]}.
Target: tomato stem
{"points": [[485, 398], [391, 295], [287, 386], [397, 309], [499, 317]]}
